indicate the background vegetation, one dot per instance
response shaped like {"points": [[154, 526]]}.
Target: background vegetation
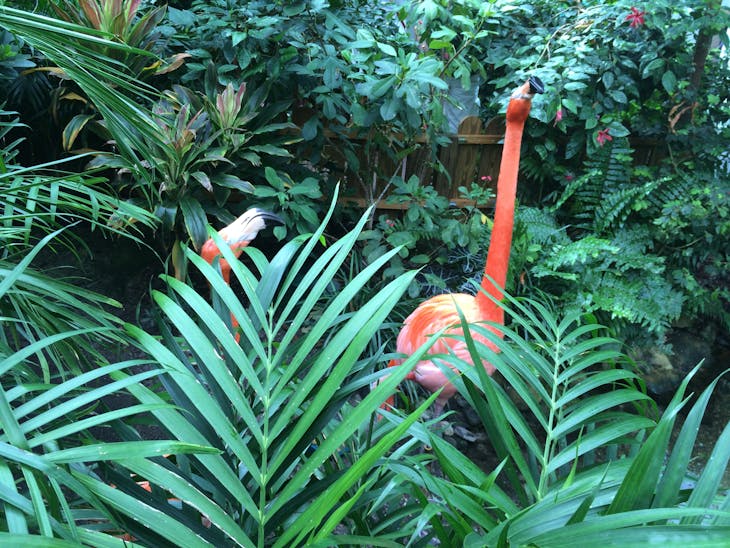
{"points": [[146, 123]]}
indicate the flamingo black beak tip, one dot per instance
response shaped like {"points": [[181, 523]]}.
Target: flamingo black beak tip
{"points": [[269, 217], [536, 85]]}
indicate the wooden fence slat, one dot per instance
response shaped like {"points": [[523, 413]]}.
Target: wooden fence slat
{"points": [[473, 156]]}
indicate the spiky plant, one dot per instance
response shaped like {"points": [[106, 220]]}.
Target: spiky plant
{"points": [[581, 461], [281, 407]]}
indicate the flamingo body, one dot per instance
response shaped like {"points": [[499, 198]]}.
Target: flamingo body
{"points": [[432, 315]]}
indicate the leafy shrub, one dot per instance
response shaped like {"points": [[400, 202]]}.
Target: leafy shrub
{"points": [[389, 82], [197, 146], [432, 234], [612, 255]]}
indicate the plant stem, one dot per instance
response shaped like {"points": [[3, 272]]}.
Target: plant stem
{"points": [[552, 420]]}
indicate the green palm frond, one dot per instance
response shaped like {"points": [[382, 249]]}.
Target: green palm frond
{"points": [[579, 452], [108, 82], [33, 201], [281, 405], [42, 198], [569, 376], [43, 462], [34, 306]]}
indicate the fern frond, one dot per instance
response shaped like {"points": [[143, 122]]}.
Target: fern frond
{"points": [[603, 196], [670, 189], [539, 226], [647, 301], [616, 207], [568, 261]]}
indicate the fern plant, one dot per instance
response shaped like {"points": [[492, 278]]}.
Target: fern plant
{"points": [[582, 461], [597, 251], [602, 198], [616, 277]]}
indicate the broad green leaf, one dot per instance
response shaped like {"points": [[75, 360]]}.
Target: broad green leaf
{"points": [[195, 221], [669, 82], [667, 493], [640, 483], [73, 128]]}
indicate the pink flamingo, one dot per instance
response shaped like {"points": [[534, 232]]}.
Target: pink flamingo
{"points": [[440, 312]]}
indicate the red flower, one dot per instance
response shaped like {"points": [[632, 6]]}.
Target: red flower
{"points": [[485, 178], [568, 177], [558, 116], [636, 17], [603, 136]]}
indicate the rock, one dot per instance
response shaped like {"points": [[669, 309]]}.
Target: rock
{"points": [[664, 369], [465, 434]]}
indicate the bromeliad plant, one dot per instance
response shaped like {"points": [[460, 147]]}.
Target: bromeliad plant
{"points": [[125, 23], [200, 142], [120, 22], [177, 153]]}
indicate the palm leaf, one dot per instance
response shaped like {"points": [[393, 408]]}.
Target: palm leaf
{"points": [[272, 403], [107, 82], [556, 374], [36, 308]]}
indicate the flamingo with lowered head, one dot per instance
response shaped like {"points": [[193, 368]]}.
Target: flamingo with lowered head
{"points": [[237, 236], [441, 311]]}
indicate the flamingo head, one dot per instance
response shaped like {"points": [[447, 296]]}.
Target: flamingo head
{"points": [[238, 234], [521, 99], [244, 229]]}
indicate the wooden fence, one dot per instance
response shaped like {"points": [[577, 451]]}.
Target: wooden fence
{"points": [[473, 155]]}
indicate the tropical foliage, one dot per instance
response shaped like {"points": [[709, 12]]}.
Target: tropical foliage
{"points": [[148, 123], [632, 123], [582, 459]]}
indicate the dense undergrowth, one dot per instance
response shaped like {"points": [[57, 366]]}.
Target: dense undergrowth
{"points": [[154, 123]]}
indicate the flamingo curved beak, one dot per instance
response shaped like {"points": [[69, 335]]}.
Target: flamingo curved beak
{"points": [[536, 85], [266, 215]]}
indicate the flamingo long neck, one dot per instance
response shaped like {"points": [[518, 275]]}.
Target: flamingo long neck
{"points": [[501, 239]]}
